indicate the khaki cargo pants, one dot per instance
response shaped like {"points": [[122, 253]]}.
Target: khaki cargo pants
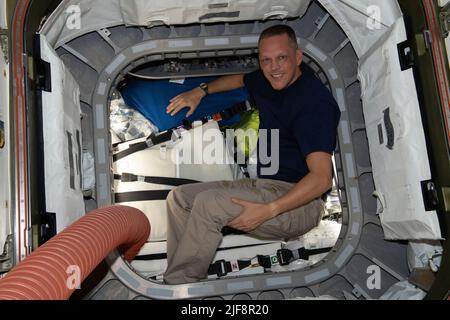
{"points": [[198, 212]]}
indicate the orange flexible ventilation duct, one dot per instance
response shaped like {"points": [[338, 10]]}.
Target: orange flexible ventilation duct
{"points": [[46, 273]]}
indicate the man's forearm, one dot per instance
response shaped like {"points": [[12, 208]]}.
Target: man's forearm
{"points": [[192, 99], [308, 189]]}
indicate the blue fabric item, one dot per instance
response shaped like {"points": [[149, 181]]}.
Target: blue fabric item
{"points": [[151, 98], [306, 115]]}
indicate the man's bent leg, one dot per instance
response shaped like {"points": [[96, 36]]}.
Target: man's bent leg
{"points": [[179, 205], [212, 210]]}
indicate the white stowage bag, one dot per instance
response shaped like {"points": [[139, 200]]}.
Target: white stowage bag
{"points": [[323, 236], [127, 123], [424, 254], [421, 254], [88, 172], [403, 291]]}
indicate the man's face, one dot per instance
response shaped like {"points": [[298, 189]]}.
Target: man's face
{"points": [[279, 61]]}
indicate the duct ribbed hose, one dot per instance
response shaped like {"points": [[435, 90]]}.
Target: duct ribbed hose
{"points": [[46, 273]]}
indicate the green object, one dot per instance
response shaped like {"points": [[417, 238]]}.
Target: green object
{"points": [[247, 133]]}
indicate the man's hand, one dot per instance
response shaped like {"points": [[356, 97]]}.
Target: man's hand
{"points": [[190, 99], [252, 215]]}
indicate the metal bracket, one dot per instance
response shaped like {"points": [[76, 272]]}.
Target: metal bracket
{"points": [[428, 39], [105, 34], [424, 41]]}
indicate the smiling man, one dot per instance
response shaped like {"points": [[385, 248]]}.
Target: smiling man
{"points": [[282, 206]]}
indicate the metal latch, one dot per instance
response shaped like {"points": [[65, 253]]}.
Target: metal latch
{"points": [[430, 195]]}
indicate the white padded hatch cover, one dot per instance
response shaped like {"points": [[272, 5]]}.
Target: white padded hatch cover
{"points": [[62, 142], [397, 141]]}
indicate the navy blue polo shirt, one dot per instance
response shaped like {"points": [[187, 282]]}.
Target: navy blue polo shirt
{"points": [[306, 116]]}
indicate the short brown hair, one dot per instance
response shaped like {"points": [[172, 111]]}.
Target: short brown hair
{"points": [[279, 30]]}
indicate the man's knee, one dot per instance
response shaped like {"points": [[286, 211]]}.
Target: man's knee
{"points": [[178, 197], [171, 197]]}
